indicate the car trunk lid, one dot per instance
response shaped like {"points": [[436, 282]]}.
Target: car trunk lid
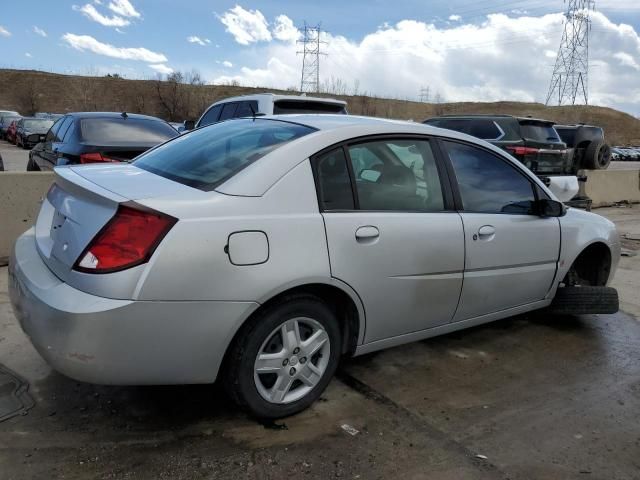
{"points": [[81, 202]]}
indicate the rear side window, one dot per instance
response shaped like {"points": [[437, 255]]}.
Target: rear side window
{"points": [[568, 136], [485, 129], [489, 184], [53, 131], [211, 116], [540, 132], [282, 107], [120, 131], [207, 157], [64, 126], [334, 183], [452, 124]]}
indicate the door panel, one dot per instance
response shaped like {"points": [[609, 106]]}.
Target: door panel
{"points": [[406, 267]]}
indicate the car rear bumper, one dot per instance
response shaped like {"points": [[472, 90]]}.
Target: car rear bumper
{"points": [[118, 342]]}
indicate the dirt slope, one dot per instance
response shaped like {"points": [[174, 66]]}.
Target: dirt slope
{"points": [[29, 91]]}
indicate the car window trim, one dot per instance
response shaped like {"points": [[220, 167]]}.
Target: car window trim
{"points": [[454, 179], [441, 166]]}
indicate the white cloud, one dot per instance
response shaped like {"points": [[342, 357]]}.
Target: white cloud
{"points": [[285, 30], [501, 58], [4, 32], [39, 31], [455, 18], [198, 40], [227, 64], [123, 8], [91, 13], [161, 68], [28, 55], [246, 26], [86, 42]]}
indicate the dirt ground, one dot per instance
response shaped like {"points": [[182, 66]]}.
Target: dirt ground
{"points": [[529, 397]]}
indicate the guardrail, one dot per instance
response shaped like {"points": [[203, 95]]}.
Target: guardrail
{"points": [[20, 196]]}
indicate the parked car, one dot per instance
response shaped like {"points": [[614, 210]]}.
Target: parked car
{"points": [[5, 121], [269, 104], [1, 164], [586, 146], [11, 131], [533, 142], [31, 130], [263, 250], [91, 137]]}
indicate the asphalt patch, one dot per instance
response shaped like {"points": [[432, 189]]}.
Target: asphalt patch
{"points": [[14, 395]]}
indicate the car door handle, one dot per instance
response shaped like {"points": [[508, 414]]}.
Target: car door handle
{"points": [[367, 234], [486, 232]]}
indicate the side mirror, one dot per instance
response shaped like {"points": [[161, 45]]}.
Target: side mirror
{"points": [[551, 208], [189, 124]]}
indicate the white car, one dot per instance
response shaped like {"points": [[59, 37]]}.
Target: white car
{"points": [[263, 250], [269, 104]]}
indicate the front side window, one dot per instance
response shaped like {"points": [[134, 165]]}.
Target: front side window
{"points": [[206, 157], [489, 184], [397, 175]]}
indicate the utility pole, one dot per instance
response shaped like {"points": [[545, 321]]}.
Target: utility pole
{"points": [[311, 44], [569, 82], [425, 94]]}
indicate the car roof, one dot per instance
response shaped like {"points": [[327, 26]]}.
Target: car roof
{"points": [[112, 115], [490, 116], [276, 96]]}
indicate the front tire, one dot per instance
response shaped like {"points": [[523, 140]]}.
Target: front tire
{"points": [[284, 357]]}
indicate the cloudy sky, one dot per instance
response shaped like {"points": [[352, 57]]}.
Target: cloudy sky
{"points": [[477, 50]]}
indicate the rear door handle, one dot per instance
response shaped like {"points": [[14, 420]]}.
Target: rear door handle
{"points": [[367, 234]]}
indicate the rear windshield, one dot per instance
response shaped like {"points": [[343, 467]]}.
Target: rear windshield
{"points": [[293, 106], [206, 157], [541, 132], [120, 131], [38, 124]]}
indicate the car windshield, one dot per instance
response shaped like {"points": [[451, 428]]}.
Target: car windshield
{"points": [[295, 106], [541, 132], [38, 124], [129, 131], [206, 157]]}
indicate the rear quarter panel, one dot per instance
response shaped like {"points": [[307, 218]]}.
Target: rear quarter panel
{"points": [[192, 264]]}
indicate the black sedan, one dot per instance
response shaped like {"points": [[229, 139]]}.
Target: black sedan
{"points": [[91, 137], [31, 130]]}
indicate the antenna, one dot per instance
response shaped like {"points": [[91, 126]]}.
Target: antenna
{"points": [[571, 71], [311, 44]]}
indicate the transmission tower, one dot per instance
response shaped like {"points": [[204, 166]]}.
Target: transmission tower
{"points": [[425, 94], [571, 71], [311, 44]]}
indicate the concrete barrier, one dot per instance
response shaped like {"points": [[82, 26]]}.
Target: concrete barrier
{"points": [[20, 197], [607, 187]]}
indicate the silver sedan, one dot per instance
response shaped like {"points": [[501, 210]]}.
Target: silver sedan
{"points": [[263, 250]]}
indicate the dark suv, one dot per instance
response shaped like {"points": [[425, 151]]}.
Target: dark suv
{"points": [[532, 141]]}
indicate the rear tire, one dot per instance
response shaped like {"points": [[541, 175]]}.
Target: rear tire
{"points": [[259, 392], [597, 156], [585, 300]]}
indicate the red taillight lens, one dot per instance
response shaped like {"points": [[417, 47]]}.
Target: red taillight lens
{"points": [[523, 150], [95, 158], [127, 240]]}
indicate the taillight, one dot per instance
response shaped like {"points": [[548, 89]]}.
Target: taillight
{"points": [[127, 240], [522, 150], [95, 158]]}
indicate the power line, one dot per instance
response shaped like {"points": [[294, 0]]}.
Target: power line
{"points": [[571, 71], [311, 44]]}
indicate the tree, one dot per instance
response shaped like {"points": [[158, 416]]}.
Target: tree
{"points": [[29, 97]]}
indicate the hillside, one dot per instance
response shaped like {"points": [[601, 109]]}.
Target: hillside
{"points": [[28, 91]]}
